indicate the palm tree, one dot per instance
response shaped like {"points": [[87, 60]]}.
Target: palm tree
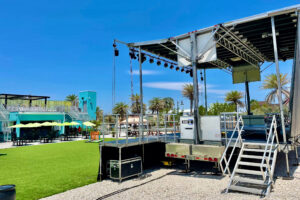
{"points": [[270, 83], [136, 105], [121, 109], [73, 99], [234, 98], [168, 104], [188, 92], [99, 114], [156, 105]]}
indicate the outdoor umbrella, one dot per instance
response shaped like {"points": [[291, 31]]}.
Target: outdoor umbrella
{"points": [[17, 126], [89, 124], [49, 124], [74, 123], [32, 125]]}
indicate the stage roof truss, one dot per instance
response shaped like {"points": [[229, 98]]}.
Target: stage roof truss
{"points": [[246, 41]]}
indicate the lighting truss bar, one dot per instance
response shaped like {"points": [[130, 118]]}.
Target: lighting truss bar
{"points": [[222, 65], [234, 44], [158, 58], [153, 56]]}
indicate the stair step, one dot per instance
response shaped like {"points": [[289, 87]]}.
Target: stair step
{"points": [[246, 189], [251, 164], [253, 157], [246, 171], [249, 180], [258, 150], [257, 144]]}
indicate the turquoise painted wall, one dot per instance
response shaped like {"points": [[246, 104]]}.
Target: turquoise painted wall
{"points": [[87, 102], [36, 116]]}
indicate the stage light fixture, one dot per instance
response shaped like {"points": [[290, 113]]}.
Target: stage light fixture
{"points": [[166, 65], [158, 62], [143, 57], [177, 68], [116, 51], [182, 70], [132, 55], [151, 60], [172, 66]]}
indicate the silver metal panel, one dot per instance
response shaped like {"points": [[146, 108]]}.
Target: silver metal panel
{"points": [[178, 148], [207, 150], [206, 48], [210, 128]]}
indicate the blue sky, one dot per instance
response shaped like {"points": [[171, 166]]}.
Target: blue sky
{"points": [[58, 48]]}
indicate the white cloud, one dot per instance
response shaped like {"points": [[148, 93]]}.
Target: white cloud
{"points": [[166, 85], [179, 85], [145, 72]]}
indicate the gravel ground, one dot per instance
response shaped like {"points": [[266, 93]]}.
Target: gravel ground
{"points": [[171, 184]]}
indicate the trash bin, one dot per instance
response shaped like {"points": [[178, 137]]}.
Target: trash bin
{"points": [[7, 192]]}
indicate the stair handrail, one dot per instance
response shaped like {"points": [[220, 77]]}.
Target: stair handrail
{"points": [[270, 142], [239, 139]]}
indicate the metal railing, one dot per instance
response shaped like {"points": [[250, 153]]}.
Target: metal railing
{"points": [[228, 122], [238, 129], [268, 149], [152, 128], [110, 125], [72, 111], [170, 125]]}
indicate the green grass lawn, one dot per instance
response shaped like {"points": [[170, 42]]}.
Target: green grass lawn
{"points": [[43, 170]]}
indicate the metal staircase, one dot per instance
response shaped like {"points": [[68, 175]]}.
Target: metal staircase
{"points": [[75, 114], [254, 169], [238, 124]]}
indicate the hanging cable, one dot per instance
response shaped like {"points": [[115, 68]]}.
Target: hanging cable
{"points": [[131, 79], [116, 53], [267, 67]]}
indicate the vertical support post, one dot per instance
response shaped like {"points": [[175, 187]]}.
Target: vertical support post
{"points": [[99, 178], [157, 126], [205, 91], [126, 129], [18, 129], [5, 103], [120, 162], [117, 129], [165, 128], [248, 98], [174, 125], [295, 90], [103, 128], [30, 103], [280, 93], [197, 137], [141, 96], [62, 128], [45, 102], [147, 130]]}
